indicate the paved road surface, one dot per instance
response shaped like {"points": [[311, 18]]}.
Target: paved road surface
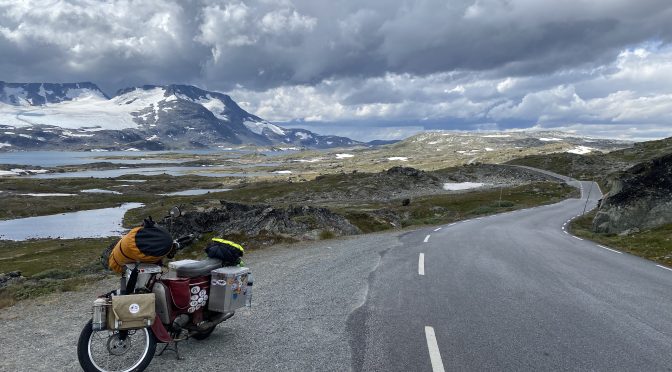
{"points": [[514, 292]]}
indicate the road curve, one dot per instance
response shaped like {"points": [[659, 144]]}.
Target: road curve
{"points": [[514, 291]]}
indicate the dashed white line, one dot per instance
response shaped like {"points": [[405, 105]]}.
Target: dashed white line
{"points": [[434, 353], [437, 229], [421, 264], [565, 232], [453, 224], [426, 239], [664, 267], [576, 237], [609, 249]]}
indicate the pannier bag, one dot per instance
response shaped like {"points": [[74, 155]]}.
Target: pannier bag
{"points": [[148, 243], [132, 311], [225, 250]]}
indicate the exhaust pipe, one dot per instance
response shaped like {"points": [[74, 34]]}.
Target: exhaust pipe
{"points": [[214, 321]]}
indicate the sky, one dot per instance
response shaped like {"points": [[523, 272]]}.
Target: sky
{"points": [[368, 69]]}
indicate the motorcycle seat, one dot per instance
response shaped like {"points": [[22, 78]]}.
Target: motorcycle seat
{"points": [[198, 268]]}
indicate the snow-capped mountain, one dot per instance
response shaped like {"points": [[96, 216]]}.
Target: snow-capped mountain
{"points": [[36, 94], [80, 116]]}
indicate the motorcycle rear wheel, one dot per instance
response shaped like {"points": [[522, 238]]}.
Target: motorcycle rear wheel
{"points": [[106, 351]]}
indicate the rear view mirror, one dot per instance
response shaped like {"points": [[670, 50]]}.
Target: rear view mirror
{"points": [[175, 212]]}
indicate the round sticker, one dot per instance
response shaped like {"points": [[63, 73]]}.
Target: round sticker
{"points": [[191, 309], [194, 297], [201, 300], [134, 308], [201, 293], [193, 303], [195, 289]]}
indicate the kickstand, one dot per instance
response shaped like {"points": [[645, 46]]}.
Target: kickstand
{"points": [[171, 346]]}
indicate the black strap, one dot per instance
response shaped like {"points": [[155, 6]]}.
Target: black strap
{"points": [[130, 285]]}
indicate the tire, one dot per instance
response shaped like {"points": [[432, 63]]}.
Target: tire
{"points": [[94, 354], [205, 334]]}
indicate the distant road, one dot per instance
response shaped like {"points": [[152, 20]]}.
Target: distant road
{"points": [[514, 292]]}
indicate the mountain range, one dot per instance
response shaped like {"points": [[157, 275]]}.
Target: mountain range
{"points": [[80, 116]]}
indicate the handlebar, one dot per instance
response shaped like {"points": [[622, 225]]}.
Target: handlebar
{"points": [[183, 241]]}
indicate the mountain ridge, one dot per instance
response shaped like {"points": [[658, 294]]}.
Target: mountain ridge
{"points": [[79, 116]]}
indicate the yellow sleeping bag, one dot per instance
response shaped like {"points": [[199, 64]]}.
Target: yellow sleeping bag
{"points": [[147, 244]]}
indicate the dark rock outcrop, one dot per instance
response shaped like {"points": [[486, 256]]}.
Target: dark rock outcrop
{"points": [[639, 198], [293, 222]]}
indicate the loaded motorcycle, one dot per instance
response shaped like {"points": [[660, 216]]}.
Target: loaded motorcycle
{"points": [[154, 306]]}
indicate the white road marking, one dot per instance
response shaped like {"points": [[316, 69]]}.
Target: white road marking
{"points": [[576, 237], [434, 353], [479, 218], [426, 239], [453, 224], [437, 229], [609, 249], [663, 267], [421, 264], [565, 232]]}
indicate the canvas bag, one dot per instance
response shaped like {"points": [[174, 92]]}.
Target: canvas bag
{"points": [[132, 311]]}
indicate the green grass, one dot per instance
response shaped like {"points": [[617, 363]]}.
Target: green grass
{"points": [[654, 244], [38, 256]]}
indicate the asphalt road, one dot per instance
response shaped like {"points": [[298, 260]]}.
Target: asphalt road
{"points": [[506, 292], [514, 292]]}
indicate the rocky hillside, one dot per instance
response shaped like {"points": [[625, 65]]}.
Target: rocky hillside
{"points": [[79, 116], [639, 198], [261, 222]]}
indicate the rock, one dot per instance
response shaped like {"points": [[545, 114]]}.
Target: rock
{"points": [[301, 223], [639, 198]]}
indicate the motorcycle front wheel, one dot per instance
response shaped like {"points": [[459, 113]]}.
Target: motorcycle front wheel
{"points": [[115, 351]]}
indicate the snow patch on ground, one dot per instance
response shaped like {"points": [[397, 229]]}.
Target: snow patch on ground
{"points": [[398, 158], [581, 150], [496, 136], [344, 156], [5, 145], [450, 186], [550, 139], [283, 172], [315, 160], [489, 149], [101, 191], [303, 135], [259, 126]]}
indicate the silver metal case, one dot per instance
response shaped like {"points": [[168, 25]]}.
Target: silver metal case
{"points": [[228, 288]]}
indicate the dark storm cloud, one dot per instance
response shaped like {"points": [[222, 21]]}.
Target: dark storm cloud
{"points": [[262, 44]]}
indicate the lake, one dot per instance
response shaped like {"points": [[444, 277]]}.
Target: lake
{"points": [[94, 223]]}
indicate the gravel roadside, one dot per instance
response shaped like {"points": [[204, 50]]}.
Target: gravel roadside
{"points": [[303, 296]]}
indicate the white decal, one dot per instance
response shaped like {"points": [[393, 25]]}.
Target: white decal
{"points": [[134, 308]]}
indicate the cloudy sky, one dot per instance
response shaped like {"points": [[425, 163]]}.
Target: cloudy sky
{"points": [[370, 68]]}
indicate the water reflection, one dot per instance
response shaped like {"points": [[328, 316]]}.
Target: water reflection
{"points": [[83, 224]]}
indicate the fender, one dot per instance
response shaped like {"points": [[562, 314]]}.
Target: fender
{"points": [[160, 331]]}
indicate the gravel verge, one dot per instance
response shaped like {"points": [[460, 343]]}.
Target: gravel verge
{"points": [[303, 295]]}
